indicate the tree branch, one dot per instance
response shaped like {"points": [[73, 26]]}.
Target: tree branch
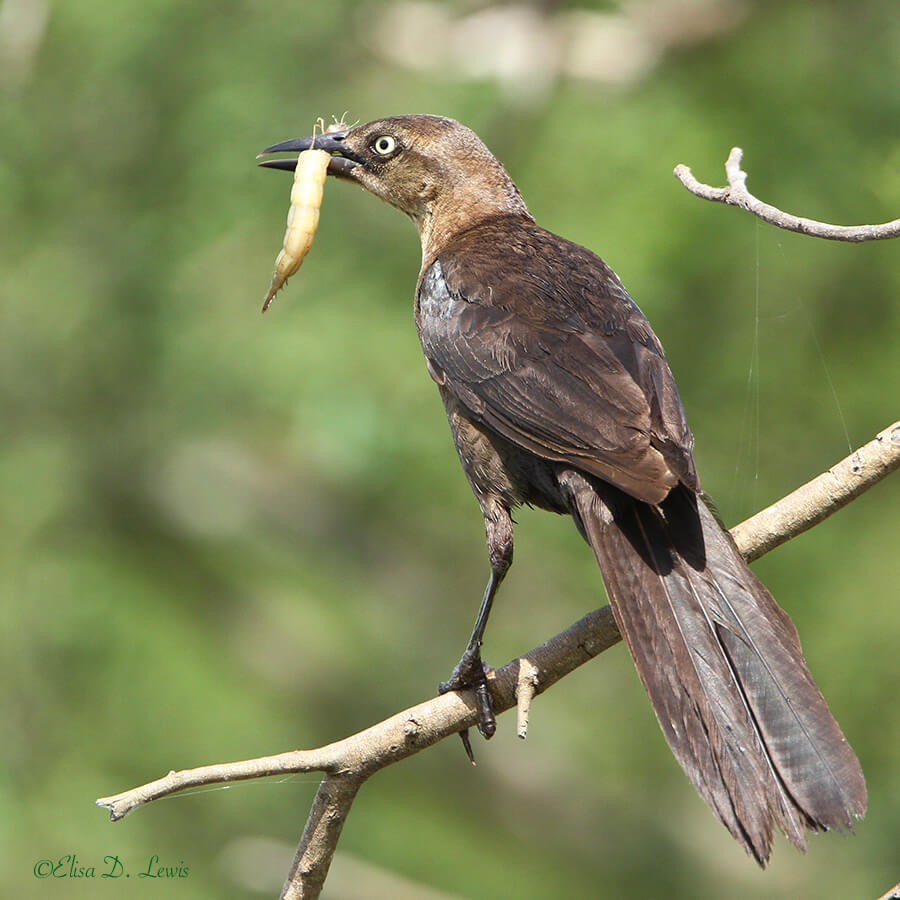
{"points": [[320, 837], [818, 499], [736, 194], [349, 762]]}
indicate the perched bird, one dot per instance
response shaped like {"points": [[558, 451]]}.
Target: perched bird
{"points": [[558, 395]]}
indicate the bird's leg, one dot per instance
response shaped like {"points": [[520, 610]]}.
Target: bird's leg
{"points": [[471, 672]]}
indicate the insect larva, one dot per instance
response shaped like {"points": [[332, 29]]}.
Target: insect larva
{"points": [[303, 215]]}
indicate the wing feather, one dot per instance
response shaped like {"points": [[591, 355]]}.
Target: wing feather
{"points": [[567, 367]]}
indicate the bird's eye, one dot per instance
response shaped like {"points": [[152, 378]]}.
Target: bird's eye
{"points": [[384, 145]]}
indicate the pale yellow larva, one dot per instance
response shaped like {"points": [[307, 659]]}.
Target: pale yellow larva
{"points": [[303, 217]]}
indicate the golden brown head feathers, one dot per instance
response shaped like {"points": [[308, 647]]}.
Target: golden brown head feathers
{"points": [[435, 170]]}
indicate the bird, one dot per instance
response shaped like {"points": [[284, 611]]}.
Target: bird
{"points": [[559, 396]]}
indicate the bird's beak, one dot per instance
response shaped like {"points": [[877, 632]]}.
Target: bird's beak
{"points": [[332, 142]]}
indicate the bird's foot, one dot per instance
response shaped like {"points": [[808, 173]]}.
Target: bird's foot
{"points": [[473, 674]]}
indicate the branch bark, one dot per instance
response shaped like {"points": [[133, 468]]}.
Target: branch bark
{"points": [[348, 763], [819, 498], [320, 837], [736, 194]]}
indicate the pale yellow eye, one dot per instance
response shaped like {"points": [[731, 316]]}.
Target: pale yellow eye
{"points": [[384, 145]]}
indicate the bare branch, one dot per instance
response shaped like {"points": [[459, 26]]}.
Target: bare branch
{"points": [[400, 736], [320, 837], [349, 762], [736, 194], [363, 753], [819, 498]]}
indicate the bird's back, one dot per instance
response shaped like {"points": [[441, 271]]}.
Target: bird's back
{"points": [[538, 338]]}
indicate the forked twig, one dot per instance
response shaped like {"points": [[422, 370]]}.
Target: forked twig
{"points": [[736, 194]]}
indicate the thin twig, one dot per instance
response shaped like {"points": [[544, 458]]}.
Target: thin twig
{"points": [[348, 763], [736, 194]]}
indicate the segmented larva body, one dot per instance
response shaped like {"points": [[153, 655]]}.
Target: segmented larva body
{"points": [[303, 217]]}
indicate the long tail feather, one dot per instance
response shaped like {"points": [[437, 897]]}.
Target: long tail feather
{"points": [[723, 667]]}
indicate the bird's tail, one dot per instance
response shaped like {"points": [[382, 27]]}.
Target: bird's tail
{"points": [[723, 666]]}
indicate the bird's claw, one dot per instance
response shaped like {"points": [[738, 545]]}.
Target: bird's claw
{"points": [[473, 674]]}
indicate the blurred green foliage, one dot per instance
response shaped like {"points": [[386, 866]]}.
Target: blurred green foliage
{"points": [[225, 535]]}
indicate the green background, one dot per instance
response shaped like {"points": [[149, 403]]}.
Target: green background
{"points": [[224, 535]]}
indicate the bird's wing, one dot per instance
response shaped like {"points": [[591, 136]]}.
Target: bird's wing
{"points": [[539, 340]]}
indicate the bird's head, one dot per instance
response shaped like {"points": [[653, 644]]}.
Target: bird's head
{"points": [[434, 169]]}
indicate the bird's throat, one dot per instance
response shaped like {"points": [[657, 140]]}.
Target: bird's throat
{"points": [[466, 206]]}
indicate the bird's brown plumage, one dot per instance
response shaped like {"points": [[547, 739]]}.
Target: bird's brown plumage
{"points": [[558, 395]]}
